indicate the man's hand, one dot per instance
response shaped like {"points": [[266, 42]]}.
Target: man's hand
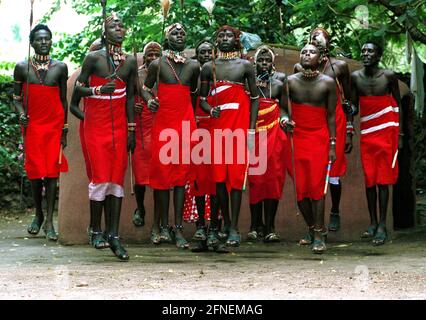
{"points": [[23, 119], [332, 154], [348, 108], [153, 104], [348, 143], [131, 141], [108, 88], [287, 125], [138, 107], [215, 112], [64, 139]]}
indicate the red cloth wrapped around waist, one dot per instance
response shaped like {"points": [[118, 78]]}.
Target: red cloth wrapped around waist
{"points": [[44, 131], [269, 184], [174, 122], [142, 155], [311, 147], [379, 138], [105, 133], [338, 168], [234, 104]]}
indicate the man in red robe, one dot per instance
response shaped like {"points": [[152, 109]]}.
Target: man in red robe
{"points": [[312, 103], [40, 92], [266, 189], [143, 119], [174, 121], [376, 92], [339, 70], [233, 114], [107, 83]]}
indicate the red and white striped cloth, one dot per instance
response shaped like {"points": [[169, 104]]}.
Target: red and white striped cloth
{"points": [[379, 138]]}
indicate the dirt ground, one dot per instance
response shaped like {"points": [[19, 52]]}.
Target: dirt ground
{"points": [[32, 268]]}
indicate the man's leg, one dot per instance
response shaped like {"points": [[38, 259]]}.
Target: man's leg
{"points": [[271, 207], [372, 209], [381, 233], [96, 238], [178, 198], [223, 205], [305, 207], [234, 238], [336, 193], [113, 205], [318, 211], [50, 200], [37, 191], [161, 202], [255, 212], [201, 234], [139, 214]]}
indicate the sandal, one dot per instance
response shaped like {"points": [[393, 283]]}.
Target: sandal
{"points": [[220, 248], [212, 239], [252, 235], [180, 241], [117, 248], [371, 231], [200, 234], [97, 240], [308, 238], [319, 247], [34, 227], [138, 218], [380, 238], [224, 233], [50, 234], [271, 237], [234, 238], [155, 237], [260, 231], [334, 224], [165, 235], [201, 247]]}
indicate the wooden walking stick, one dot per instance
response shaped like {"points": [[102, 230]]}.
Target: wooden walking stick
{"points": [[327, 177], [290, 114], [165, 8], [25, 105]]}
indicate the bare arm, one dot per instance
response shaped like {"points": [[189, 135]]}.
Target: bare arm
{"points": [[354, 93], [130, 90], [254, 96], [19, 90], [194, 84], [331, 117], [81, 88], [63, 91], [151, 79], [206, 77], [397, 96]]}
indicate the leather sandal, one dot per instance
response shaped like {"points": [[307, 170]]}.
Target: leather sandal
{"points": [[117, 248]]}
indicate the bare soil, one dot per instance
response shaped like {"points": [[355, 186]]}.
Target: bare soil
{"points": [[32, 268]]}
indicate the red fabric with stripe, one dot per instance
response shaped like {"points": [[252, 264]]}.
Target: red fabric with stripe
{"points": [[105, 133], [311, 147], [378, 148]]}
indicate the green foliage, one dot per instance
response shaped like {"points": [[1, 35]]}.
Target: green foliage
{"points": [[389, 19], [11, 164]]}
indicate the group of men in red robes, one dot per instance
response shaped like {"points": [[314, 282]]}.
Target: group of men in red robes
{"points": [[301, 124]]}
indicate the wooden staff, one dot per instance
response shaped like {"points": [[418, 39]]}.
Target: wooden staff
{"points": [[327, 177], [292, 149]]}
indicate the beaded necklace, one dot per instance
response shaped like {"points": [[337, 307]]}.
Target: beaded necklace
{"points": [[228, 55], [41, 65]]}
